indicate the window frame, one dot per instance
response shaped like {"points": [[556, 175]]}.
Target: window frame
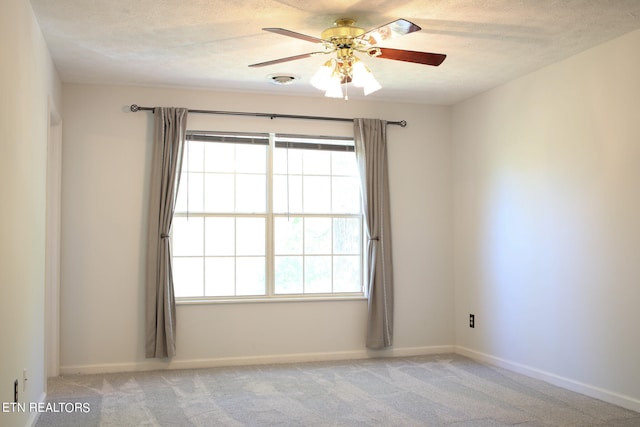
{"points": [[274, 142]]}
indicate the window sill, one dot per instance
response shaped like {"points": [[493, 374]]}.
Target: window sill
{"points": [[253, 300]]}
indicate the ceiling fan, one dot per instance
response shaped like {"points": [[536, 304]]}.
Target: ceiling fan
{"points": [[344, 38]]}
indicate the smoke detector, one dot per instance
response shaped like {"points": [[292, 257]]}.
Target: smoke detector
{"points": [[281, 79]]}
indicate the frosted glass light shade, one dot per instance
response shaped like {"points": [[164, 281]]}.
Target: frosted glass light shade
{"points": [[321, 79], [371, 85], [360, 74], [363, 78], [333, 88]]}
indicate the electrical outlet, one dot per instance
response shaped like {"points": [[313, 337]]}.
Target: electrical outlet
{"points": [[472, 320]]}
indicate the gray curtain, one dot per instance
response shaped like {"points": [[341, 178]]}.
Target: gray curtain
{"points": [[371, 154], [170, 125]]}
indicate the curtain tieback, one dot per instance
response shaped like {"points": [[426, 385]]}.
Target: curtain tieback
{"points": [[374, 238], [164, 236]]}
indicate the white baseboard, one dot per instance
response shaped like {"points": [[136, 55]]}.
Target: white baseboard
{"points": [[155, 364], [557, 380]]}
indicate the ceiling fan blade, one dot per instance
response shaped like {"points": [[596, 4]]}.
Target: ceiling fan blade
{"points": [[287, 59], [426, 58], [397, 28], [293, 34]]}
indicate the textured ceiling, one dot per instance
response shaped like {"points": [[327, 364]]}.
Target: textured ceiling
{"points": [[210, 43]]}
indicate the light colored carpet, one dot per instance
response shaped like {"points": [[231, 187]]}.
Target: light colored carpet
{"points": [[443, 390]]}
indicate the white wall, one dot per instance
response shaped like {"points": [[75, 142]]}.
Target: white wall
{"points": [[27, 82], [106, 162], [546, 213]]}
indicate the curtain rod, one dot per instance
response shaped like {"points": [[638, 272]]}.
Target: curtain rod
{"points": [[134, 108]]}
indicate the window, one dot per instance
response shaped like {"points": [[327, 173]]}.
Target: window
{"points": [[267, 215]]}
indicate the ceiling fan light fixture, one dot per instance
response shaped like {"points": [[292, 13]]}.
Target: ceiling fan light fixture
{"points": [[333, 73]]}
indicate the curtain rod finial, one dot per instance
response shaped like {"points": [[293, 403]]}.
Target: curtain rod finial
{"points": [[403, 123], [134, 108]]}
